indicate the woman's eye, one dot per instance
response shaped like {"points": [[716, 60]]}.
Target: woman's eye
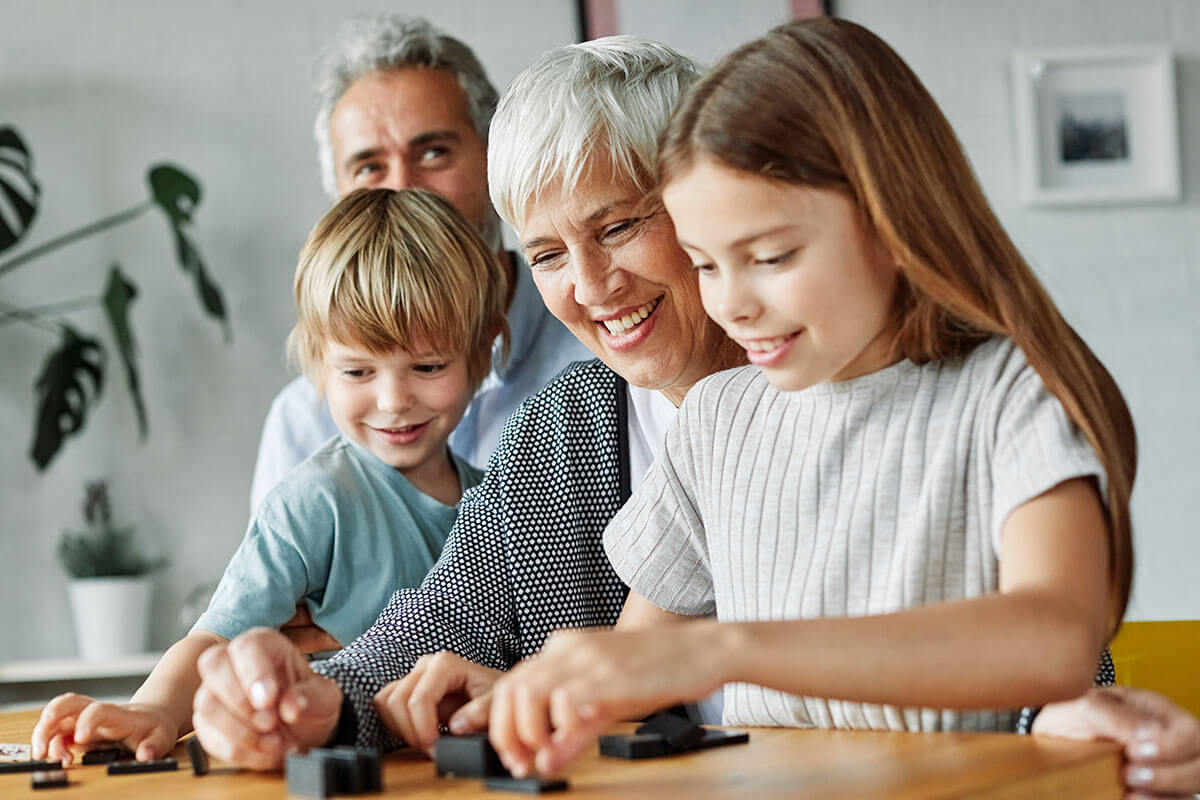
{"points": [[616, 229], [544, 260], [704, 269]]}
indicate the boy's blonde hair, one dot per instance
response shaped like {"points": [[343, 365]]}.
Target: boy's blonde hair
{"points": [[385, 270]]}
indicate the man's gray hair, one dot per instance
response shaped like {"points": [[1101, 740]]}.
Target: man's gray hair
{"points": [[608, 98], [368, 43]]}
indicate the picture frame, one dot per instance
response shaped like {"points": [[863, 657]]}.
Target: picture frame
{"points": [[1096, 126]]}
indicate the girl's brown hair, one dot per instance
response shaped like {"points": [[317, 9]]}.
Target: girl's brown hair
{"points": [[827, 103]]}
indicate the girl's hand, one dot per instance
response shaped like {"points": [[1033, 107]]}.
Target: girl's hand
{"points": [[442, 689], [548, 710], [259, 700], [74, 723]]}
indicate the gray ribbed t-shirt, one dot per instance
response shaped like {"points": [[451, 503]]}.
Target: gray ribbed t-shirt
{"points": [[867, 496]]}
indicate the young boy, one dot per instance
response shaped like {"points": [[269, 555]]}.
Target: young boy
{"points": [[399, 301]]}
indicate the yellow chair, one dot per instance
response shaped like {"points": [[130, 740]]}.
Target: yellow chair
{"points": [[1163, 656]]}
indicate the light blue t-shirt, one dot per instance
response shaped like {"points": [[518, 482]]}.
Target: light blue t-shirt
{"points": [[343, 531]]}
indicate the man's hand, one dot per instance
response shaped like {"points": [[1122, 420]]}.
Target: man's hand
{"points": [[442, 689], [74, 723], [1162, 741], [259, 700], [307, 637]]}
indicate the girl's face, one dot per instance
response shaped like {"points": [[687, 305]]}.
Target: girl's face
{"points": [[792, 273]]}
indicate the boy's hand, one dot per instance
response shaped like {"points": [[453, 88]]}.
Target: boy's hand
{"points": [[259, 700], [74, 723], [442, 689], [1162, 740]]}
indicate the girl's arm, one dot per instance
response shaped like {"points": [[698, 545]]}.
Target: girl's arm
{"points": [[175, 679], [1034, 642]]}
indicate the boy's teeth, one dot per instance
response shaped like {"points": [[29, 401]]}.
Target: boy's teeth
{"points": [[630, 320]]}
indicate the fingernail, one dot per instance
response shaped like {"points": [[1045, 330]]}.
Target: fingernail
{"points": [[258, 694], [459, 725], [263, 721], [1140, 776], [1145, 750], [587, 711], [302, 701]]}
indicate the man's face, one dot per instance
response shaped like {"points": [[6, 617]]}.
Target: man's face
{"points": [[409, 128]]}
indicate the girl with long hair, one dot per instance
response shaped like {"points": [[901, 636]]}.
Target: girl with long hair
{"points": [[911, 512]]}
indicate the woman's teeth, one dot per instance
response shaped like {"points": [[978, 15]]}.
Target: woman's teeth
{"points": [[630, 321]]}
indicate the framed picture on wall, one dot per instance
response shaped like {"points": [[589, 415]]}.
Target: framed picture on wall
{"points": [[1096, 126]]}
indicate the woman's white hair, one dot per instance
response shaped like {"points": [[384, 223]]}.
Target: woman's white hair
{"points": [[609, 98], [368, 43]]}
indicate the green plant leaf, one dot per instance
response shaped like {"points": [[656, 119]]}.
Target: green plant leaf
{"points": [[64, 393], [174, 191], [211, 299], [119, 295], [19, 190]]}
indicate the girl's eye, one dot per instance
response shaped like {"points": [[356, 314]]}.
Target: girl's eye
{"points": [[704, 269], [776, 260]]}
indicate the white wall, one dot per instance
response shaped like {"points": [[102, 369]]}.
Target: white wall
{"points": [[103, 88], [100, 89], [1127, 277]]}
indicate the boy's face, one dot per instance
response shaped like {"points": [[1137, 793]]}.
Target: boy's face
{"points": [[400, 406]]}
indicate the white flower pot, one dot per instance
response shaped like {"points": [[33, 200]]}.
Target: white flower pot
{"points": [[112, 615]]}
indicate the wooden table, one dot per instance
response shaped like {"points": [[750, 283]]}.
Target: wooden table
{"points": [[776, 763]]}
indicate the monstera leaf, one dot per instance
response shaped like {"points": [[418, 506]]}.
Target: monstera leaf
{"points": [[70, 382], [19, 192], [178, 195], [119, 294]]}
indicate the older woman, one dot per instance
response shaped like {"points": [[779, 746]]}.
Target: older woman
{"points": [[571, 159]]}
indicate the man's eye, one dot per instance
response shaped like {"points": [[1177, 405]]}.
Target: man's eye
{"points": [[434, 153], [366, 169]]}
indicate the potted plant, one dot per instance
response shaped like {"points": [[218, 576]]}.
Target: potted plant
{"points": [[110, 581]]}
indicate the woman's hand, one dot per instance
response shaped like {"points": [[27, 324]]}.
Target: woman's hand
{"points": [[546, 712], [75, 723], [1162, 740], [259, 700], [442, 689]]}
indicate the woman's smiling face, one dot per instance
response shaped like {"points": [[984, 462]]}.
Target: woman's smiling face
{"points": [[605, 259]]}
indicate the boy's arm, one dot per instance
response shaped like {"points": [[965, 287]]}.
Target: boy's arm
{"points": [[149, 725], [175, 679]]}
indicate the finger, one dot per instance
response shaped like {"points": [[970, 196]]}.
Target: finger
{"points": [[433, 695], [59, 748], [141, 732], [55, 717], [220, 681], [531, 720], [392, 703], [473, 716], [310, 709], [230, 739], [259, 659], [1164, 779], [502, 729]]}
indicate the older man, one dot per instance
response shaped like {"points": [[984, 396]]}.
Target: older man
{"points": [[403, 105]]}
